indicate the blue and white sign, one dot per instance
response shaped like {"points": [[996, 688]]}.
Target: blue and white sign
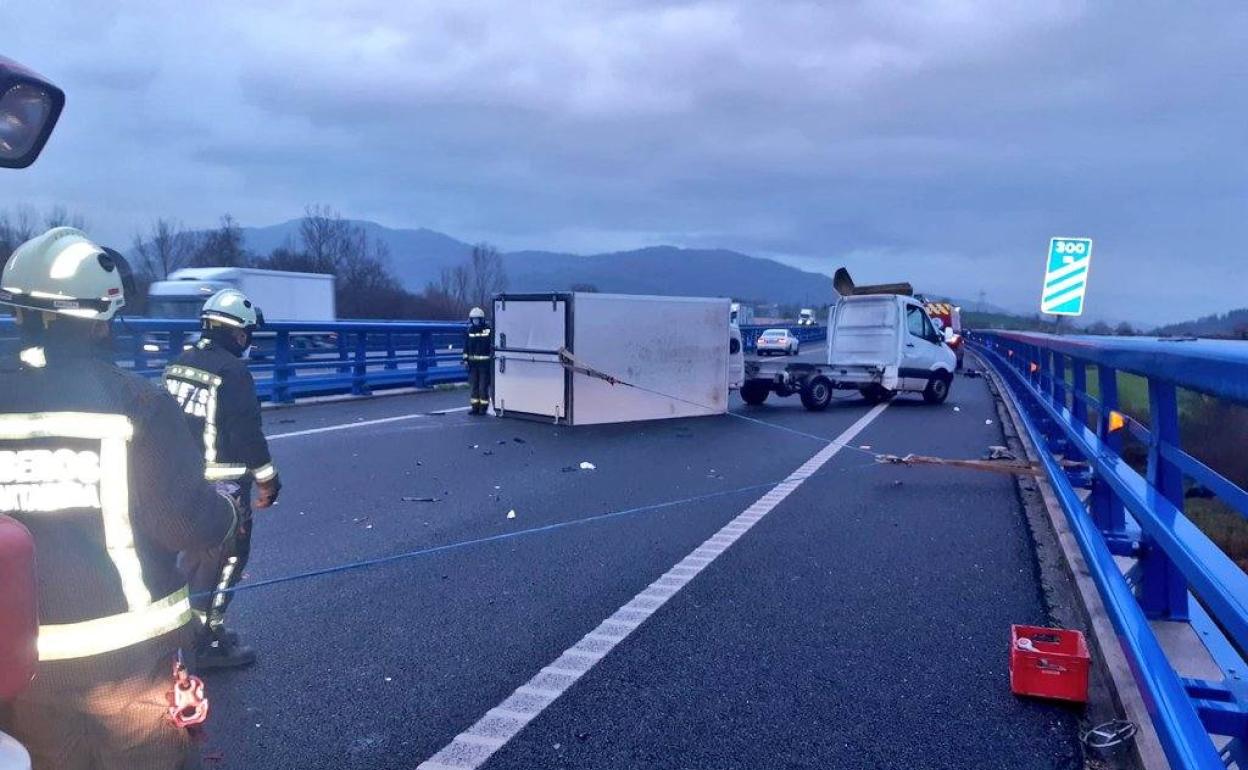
{"points": [[1066, 277]]}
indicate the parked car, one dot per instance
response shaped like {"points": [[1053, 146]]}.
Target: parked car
{"points": [[777, 341]]}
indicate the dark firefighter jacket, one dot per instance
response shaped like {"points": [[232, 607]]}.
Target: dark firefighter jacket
{"points": [[218, 397], [478, 345], [98, 464]]}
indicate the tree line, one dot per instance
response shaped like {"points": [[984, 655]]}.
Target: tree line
{"points": [[365, 285]]}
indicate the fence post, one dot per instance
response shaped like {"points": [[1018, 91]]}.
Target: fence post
{"points": [[343, 353], [1058, 381], [1107, 510], [1163, 591], [391, 364], [359, 384], [281, 369], [425, 354], [1079, 392]]}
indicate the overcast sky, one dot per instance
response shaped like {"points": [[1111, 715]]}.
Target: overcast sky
{"points": [[940, 142]]}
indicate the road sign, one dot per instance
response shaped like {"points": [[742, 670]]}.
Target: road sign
{"points": [[1066, 276]]}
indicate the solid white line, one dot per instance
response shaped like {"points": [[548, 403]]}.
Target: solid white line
{"points": [[364, 423], [653, 594]]}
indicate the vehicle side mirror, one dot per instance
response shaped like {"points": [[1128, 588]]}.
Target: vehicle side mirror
{"points": [[950, 335], [29, 109], [939, 324]]}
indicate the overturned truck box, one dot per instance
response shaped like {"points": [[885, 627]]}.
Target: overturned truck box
{"points": [[586, 358]]}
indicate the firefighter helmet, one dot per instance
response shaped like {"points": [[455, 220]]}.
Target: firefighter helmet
{"points": [[64, 272], [232, 308], [476, 313]]}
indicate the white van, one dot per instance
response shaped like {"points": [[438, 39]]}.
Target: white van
{"points": [[878, 344], [884, 344]]}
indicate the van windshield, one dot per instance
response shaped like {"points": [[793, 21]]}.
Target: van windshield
{"points": [[175, 308], [859, 314]]}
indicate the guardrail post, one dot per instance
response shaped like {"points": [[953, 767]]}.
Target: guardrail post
{"points": [[425, 355], [138, 354], [359, 382], [1078, 392], [1107, 510], [1163, 591], [176, 341], [391, 364], [1058, 383], [281, 369], [343, 353]]}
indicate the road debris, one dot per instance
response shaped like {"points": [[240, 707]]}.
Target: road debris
{"points": [[586, 465], [996, 466], [511, 514], [999, 453], [957, 409], [987, 422], [519, 440], [421, 499]]}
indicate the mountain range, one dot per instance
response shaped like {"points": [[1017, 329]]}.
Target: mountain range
{"points": [[417, 257]]}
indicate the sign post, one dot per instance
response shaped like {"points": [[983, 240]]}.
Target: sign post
{"points": [[1066, 276]]}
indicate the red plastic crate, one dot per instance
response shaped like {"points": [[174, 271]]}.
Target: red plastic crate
{"points": [[1056, 666]]}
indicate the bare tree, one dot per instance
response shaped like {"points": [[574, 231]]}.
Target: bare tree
{"points": [[60, 216], [23, 224], [488, 276], [222, 247], [167, 247]]}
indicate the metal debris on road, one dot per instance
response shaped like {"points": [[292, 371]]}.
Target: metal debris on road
{"points": [[999, 453], [519, 440], [996, 466], [421, 499]]}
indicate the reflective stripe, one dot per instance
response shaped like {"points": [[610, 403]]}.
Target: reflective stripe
{"points": [[224, 472], [264, 472], [65, 425], [485, 333], [92, 637], [478, 358], [118, 531]]}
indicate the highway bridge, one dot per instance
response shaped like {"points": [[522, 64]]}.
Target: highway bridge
{"points": [[757, 589]]}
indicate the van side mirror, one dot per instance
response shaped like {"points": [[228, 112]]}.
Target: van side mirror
{"points": [[950, 335], [29, 109]]}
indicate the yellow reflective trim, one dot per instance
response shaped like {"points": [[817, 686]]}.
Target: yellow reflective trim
{"points": [[118, 530], [65, 425], [93, 637], [264, 472], [217, 472]]}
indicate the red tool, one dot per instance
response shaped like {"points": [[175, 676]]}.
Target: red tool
{"points": [[19, 617], [1049, 663], [188, 706]]}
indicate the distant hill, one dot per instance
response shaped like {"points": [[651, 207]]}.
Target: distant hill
{"points": [[1230, 324], [418, 257]]}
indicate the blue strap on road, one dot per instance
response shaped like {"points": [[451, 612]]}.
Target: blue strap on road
{"points": [[349, 566]]}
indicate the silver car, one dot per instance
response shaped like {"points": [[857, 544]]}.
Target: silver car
{"points": [[777, 341]]}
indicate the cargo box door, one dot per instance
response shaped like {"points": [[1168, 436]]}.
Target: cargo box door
{"points": [[528, 378]]}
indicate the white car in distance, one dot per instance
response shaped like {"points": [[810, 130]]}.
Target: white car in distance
{"points": [[777, 341]]}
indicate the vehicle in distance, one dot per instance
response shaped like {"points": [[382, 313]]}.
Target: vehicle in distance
{"points": [[777, 342], [878, 344], [950, 317], [282, 295], [806, 317]]}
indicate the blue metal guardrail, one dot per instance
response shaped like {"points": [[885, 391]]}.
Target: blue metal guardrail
{"points": [[750, 334], [1180, 574], [305, 359]]}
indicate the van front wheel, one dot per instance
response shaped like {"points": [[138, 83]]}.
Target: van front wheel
{"points": [[937, 389]]}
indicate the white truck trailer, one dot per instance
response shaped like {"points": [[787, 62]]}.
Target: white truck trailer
{"points": [[671, 357], [282, 295]]}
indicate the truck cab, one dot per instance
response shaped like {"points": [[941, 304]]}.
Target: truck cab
{"points": [[806, 317]]}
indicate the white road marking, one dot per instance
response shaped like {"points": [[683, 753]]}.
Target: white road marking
{"points": [[363, 423], [471, 748]]}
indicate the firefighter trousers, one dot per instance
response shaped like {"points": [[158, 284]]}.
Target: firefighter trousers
{"points": [[479, 379], [120, 724], [212, 574]]}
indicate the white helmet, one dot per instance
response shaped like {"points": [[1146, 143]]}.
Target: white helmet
{"points": [[62, 271], [476, 312], [232, 308]]}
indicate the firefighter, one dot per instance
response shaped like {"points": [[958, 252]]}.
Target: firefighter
{"points": [[213, 386], [101, 469], [479, 355]]}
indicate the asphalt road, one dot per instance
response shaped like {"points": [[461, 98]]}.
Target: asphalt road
{"points": [[863, 621]]}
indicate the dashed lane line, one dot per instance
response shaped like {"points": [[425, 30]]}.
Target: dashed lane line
{"points": [[471, 748]]}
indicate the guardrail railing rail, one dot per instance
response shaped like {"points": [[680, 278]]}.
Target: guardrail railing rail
{"points": [[292, 359], [1179, 573]]}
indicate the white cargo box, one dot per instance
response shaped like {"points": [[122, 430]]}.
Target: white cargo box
{"points": [[674, 350]]}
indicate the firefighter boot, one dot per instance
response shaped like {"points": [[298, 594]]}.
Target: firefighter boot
{"points": [[223, 650]]}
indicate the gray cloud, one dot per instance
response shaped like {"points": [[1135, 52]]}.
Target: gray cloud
{"points": [[943, 142]]}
